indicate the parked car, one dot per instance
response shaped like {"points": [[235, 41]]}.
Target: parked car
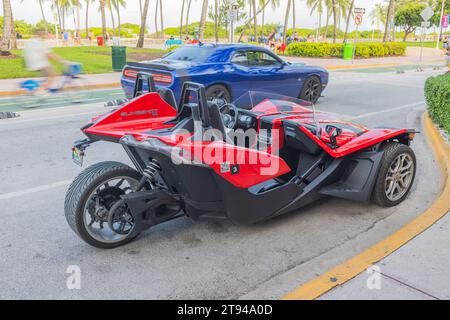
{"points": [[228, 71]]}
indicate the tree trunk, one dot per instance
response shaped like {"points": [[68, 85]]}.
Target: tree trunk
{"points": [[347, 24], [119, 28], [203, 20], [388, 19], [112, 20], [255, 20], [248, 22], [181, 19], [6, 43], [335, 21], [293, 14], [43, 18], [58, 11], [187, 15], [156, 19], [216, 27], [162, 18], [87, 19], [140, 42], [286, 19], [103, 14], [327, 23]]}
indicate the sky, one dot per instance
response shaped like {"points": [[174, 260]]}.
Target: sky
{"points": [[29, 11]]}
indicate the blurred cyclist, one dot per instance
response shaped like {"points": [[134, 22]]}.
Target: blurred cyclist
{"points": [[37, 57]]}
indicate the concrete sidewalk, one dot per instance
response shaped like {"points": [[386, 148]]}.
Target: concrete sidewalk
{"points": [[418, 270]]}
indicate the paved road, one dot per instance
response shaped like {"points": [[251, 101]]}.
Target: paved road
{"points": [[183, 259]]}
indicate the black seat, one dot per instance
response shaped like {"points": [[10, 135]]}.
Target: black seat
{"points": [[216, 119]]}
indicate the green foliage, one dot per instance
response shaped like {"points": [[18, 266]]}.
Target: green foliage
{"points": [[437, 96], [265, 30], [363, 49], [192, 30]]}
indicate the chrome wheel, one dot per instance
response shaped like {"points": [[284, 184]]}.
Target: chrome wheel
{"points": [[399, 176], [96, 218]]}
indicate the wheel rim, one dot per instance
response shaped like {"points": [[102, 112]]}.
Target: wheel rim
{"points": [[399, 177], [218, 93], [312, 91], [96, 209]]}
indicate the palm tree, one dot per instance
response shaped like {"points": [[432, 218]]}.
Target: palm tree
{"points": [[255, 20], [286, 19], [274, 4], [117, 5], [140, 42], [110, 6], [216, 27], [319, 6], [181, 19], [43, 17], [388, 19], [378, 16], [87, 17], [293, 14], [103, 14], [161, 17], [248, 22], [188, 10], [8, 22], [348, 19], [156, 19], [203, 20]]}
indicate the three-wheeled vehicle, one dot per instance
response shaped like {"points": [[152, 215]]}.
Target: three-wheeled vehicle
{"points": [[251, 160]]}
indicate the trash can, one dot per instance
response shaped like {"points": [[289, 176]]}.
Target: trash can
{"points": [[100, 41], [348, 51], [119, 57]]}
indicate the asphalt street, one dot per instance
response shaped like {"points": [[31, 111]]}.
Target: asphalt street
{"points": [[182, 258]]}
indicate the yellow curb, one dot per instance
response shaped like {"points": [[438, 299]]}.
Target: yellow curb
{"points": [[362, 66], [90, 87], [354, 266]]}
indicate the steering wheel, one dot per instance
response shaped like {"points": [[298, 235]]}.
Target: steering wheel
{"points": [[229, 113]]}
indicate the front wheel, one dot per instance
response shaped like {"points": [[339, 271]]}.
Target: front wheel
{"points": [[396, 175], [89, 201], [218, 91], [312, 88]]}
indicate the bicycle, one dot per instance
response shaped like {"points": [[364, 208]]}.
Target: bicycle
{"points": [[72, 88]]}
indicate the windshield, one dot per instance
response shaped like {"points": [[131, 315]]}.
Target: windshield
{"points": [[190, 53], [265, 102]]}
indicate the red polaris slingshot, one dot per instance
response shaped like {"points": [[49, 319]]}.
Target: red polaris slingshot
{"points": [[251, 160]]}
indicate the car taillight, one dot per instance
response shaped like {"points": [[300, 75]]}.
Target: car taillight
{"points": [[158, 77], [162, 78], [129, 73]]}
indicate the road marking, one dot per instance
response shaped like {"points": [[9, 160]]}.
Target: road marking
{"points": [[19, 121], [375, 113], [356, 265], [49, 186]]}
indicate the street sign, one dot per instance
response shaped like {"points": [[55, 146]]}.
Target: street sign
{"points": [[358, 19], [232, 15], [425, 24], [359, 10], [427, 13]]}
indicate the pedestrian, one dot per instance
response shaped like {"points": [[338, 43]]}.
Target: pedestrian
{"points": [[445, 42], [447, 58]]}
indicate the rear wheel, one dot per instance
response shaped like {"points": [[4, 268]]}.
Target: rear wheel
{"points": [[218, 91], [396, 175], [89, 201], [312, 88]]}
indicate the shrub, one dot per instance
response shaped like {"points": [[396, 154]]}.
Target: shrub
{"points": [[363, 49], [437, 96]]}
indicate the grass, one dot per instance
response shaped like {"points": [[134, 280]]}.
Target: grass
{"points": [[426, 44], [94, 60]]}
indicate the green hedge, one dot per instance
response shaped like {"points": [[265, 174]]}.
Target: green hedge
{"points": [[437, 95], [363, 50]]}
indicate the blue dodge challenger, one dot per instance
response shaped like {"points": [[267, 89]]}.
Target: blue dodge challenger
{"points": [[228, 71]]}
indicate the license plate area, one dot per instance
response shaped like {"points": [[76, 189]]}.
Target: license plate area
{"points": [[77, 156]]}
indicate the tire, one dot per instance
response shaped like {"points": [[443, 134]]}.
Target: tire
{"points": [[311, 90], [381, 193], [218, 91], [79, 194]]}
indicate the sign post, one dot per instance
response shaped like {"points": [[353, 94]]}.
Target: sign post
{"points": [[232, 16], [358, 16], [443, 23], [426, 14]]}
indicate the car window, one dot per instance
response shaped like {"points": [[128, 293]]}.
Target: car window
{"points": [[260, 58], [188, 53], [240, 57]]}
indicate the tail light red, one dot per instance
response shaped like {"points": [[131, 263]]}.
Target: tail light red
{"points": [[158, 77]]}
